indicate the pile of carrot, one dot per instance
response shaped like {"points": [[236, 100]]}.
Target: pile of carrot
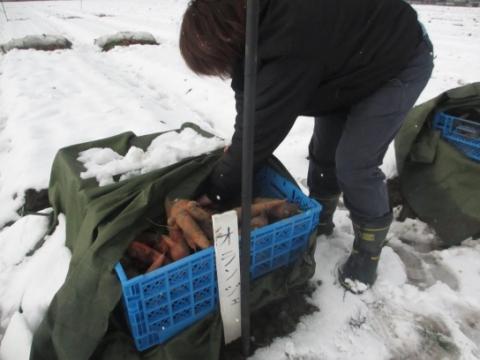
{"points": [[190, 229]]}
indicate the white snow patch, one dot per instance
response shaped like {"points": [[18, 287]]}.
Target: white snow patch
{"points": [[166, 149], [357, 287], [17, 240], [31, 283], [18, 339]]}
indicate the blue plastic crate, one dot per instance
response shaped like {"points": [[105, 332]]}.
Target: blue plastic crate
{"points": [[281, 243], [464, 134], [160, 304]]}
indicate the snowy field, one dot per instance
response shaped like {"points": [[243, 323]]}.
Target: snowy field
{"points": [[426, 302]]}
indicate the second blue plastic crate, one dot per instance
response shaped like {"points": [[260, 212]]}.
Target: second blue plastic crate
{"points": [[464, 134]]}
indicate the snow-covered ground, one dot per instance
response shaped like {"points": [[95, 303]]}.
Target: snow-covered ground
{"points": [[426, 302]]}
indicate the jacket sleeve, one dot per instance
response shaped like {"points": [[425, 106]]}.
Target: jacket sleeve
{"points": [[283, 88]]}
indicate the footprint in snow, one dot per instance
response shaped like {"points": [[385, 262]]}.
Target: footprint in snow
{"points": [[424, 270], [410, 336], [436, 341]]}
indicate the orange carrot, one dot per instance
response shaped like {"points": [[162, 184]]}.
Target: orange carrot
{"points": [[176, 234], [259, 221], [160, 245], [191, 230], [176, 249], [175, 206], [202, 217], [144, 253], [258, 200], [146, 256], [279, 212], [283, 211], [260, 207], [158, 262], [197, 212]]}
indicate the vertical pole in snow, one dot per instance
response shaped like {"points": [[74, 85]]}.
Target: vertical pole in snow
{"points": [[4, 11], [251, 43]]}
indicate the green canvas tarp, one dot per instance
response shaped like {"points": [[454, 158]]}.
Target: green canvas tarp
{"points": [[439, 183], [81, 322]]}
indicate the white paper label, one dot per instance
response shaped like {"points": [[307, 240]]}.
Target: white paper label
{"points": [[227, 258]]}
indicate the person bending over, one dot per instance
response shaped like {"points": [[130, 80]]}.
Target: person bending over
{"points": [[357, 67]]}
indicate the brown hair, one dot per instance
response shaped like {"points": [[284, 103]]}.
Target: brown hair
{"points": [[212, 36]]}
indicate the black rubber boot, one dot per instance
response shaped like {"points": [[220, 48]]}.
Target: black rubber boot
{"points": [[329, 205], [359, 272]]}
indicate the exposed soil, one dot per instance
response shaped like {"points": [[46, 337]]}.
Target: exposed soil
{"points": [[275, 320]]}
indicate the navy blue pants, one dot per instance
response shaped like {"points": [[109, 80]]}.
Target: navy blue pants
{"points": [[348, 147]]}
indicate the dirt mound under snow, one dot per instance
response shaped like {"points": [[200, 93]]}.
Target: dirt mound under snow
{"points": [[37, 42], [125, 38]]}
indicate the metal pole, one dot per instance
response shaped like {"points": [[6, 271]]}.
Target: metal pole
{"points": [[4, 11], [251, 43]]}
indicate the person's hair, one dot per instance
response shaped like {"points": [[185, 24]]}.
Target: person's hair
{"points": [[212, 36]]}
